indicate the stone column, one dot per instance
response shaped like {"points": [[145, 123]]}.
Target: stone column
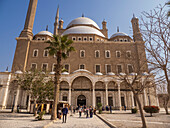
{"points": [[6, 92], [16, 99], [144, 97], [132, 98], [106, 84], [69, 94], [94, 97], [119, 98]]}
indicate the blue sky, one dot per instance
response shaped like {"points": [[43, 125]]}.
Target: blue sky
{"points": [[115, 12]]}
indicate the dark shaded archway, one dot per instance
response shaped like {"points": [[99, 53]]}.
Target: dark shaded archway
{"points": [[81, 100]]}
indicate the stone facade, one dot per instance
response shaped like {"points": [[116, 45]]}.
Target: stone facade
{"points": [[92, 69]]}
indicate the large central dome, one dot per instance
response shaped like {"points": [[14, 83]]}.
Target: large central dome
{"points": [[82, 21]]}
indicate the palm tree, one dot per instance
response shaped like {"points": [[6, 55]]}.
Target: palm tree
{"points": [[59, 46]]}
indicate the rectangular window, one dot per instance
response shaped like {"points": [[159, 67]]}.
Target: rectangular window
{"points": [[54, 67], [35, 53], [98, 68], [97, 54], [66, 66], [128, 54], [82, 66], [130, 68], [33, 66], [44, 67], [64, 98], [119, 68], [118, 54], [82, 53], [45, 53], [107, 54], [108, 68]]}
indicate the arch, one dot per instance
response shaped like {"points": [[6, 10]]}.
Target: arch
{"points": [[81, 100], [64, 85], [81, 82], [99, 85], [112, 85]]}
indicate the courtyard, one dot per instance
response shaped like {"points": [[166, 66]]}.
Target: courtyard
{"points": [[119, 119]]}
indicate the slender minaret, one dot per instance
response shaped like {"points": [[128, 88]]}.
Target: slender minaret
{"points": [[29, 22], [137, 36], [56, 22], [104, 28]]}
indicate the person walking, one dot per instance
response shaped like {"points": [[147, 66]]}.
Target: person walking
{"points": [[87, 112], [91, 112], [64, 111], [110, 109], [80, 110]]}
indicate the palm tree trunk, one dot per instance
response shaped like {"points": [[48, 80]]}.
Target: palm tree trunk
{"points": [[57, 87], [141, 111]]}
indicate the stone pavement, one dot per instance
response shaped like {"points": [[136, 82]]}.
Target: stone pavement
{"points": [[127, 120], [83, 122], [21, 120]]}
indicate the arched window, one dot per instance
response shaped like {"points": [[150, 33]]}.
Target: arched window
{"points": [[97, 54], [82, 53]]}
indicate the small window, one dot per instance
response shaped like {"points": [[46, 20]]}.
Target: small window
{"points": [[33, 66], [128, 54], [38, 38], [85, 39], [64, 98], [90, 38], [107, 54], [45, 53], [35, 53], [97, 54], [125, 40], [74, 38], [118, 54], [54, 67], [43, 38], [82, 53], [121, 40], [97, 68], [66, 66], [130, 68], [79, 38], [108, 68], [82, 66], [44, 67], [115, 40], [98, 39], [119, 68]]}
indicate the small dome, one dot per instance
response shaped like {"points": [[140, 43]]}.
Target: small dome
{"points": [[18, 72], [133, 74], [122, 74], [119, 34], [99, 73], [111, 74], [81, 70], [45, 33], [145, 74], [52, 73], [83, 30], [82, 21], [65, 73]]}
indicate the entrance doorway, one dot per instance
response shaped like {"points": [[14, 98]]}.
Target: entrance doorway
{"points": [[81, 100]]}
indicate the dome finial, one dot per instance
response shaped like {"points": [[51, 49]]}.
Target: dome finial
{"points": [[7, 69], [133, 15], [117, 28], [47, 28], [82, 14]]}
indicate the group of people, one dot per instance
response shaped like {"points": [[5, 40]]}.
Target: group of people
{"points": [[86, 110]]}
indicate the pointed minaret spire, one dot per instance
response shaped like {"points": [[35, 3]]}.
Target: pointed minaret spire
{"points": [[117, 28], [82, 14], [7, 69], [47, 28], [56, 22]]}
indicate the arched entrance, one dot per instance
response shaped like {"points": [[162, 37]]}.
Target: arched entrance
{"points": [[81, 100]]}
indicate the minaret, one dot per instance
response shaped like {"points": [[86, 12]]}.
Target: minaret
{"points": [[137, 36], [61, 24], [56, 22], [29, 22], [104, 28]]}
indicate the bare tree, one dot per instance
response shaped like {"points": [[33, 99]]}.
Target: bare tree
{"points": [[155, 29]]}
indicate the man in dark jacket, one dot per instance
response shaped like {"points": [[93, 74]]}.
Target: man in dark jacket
{"points": [[64, 111]]}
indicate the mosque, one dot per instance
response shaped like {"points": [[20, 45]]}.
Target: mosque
{"points": [[92, 70]]}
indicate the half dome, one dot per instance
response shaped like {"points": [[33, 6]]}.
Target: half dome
{"points": [[82, 21], [83, 30], [45, 33], [119, 34]]}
